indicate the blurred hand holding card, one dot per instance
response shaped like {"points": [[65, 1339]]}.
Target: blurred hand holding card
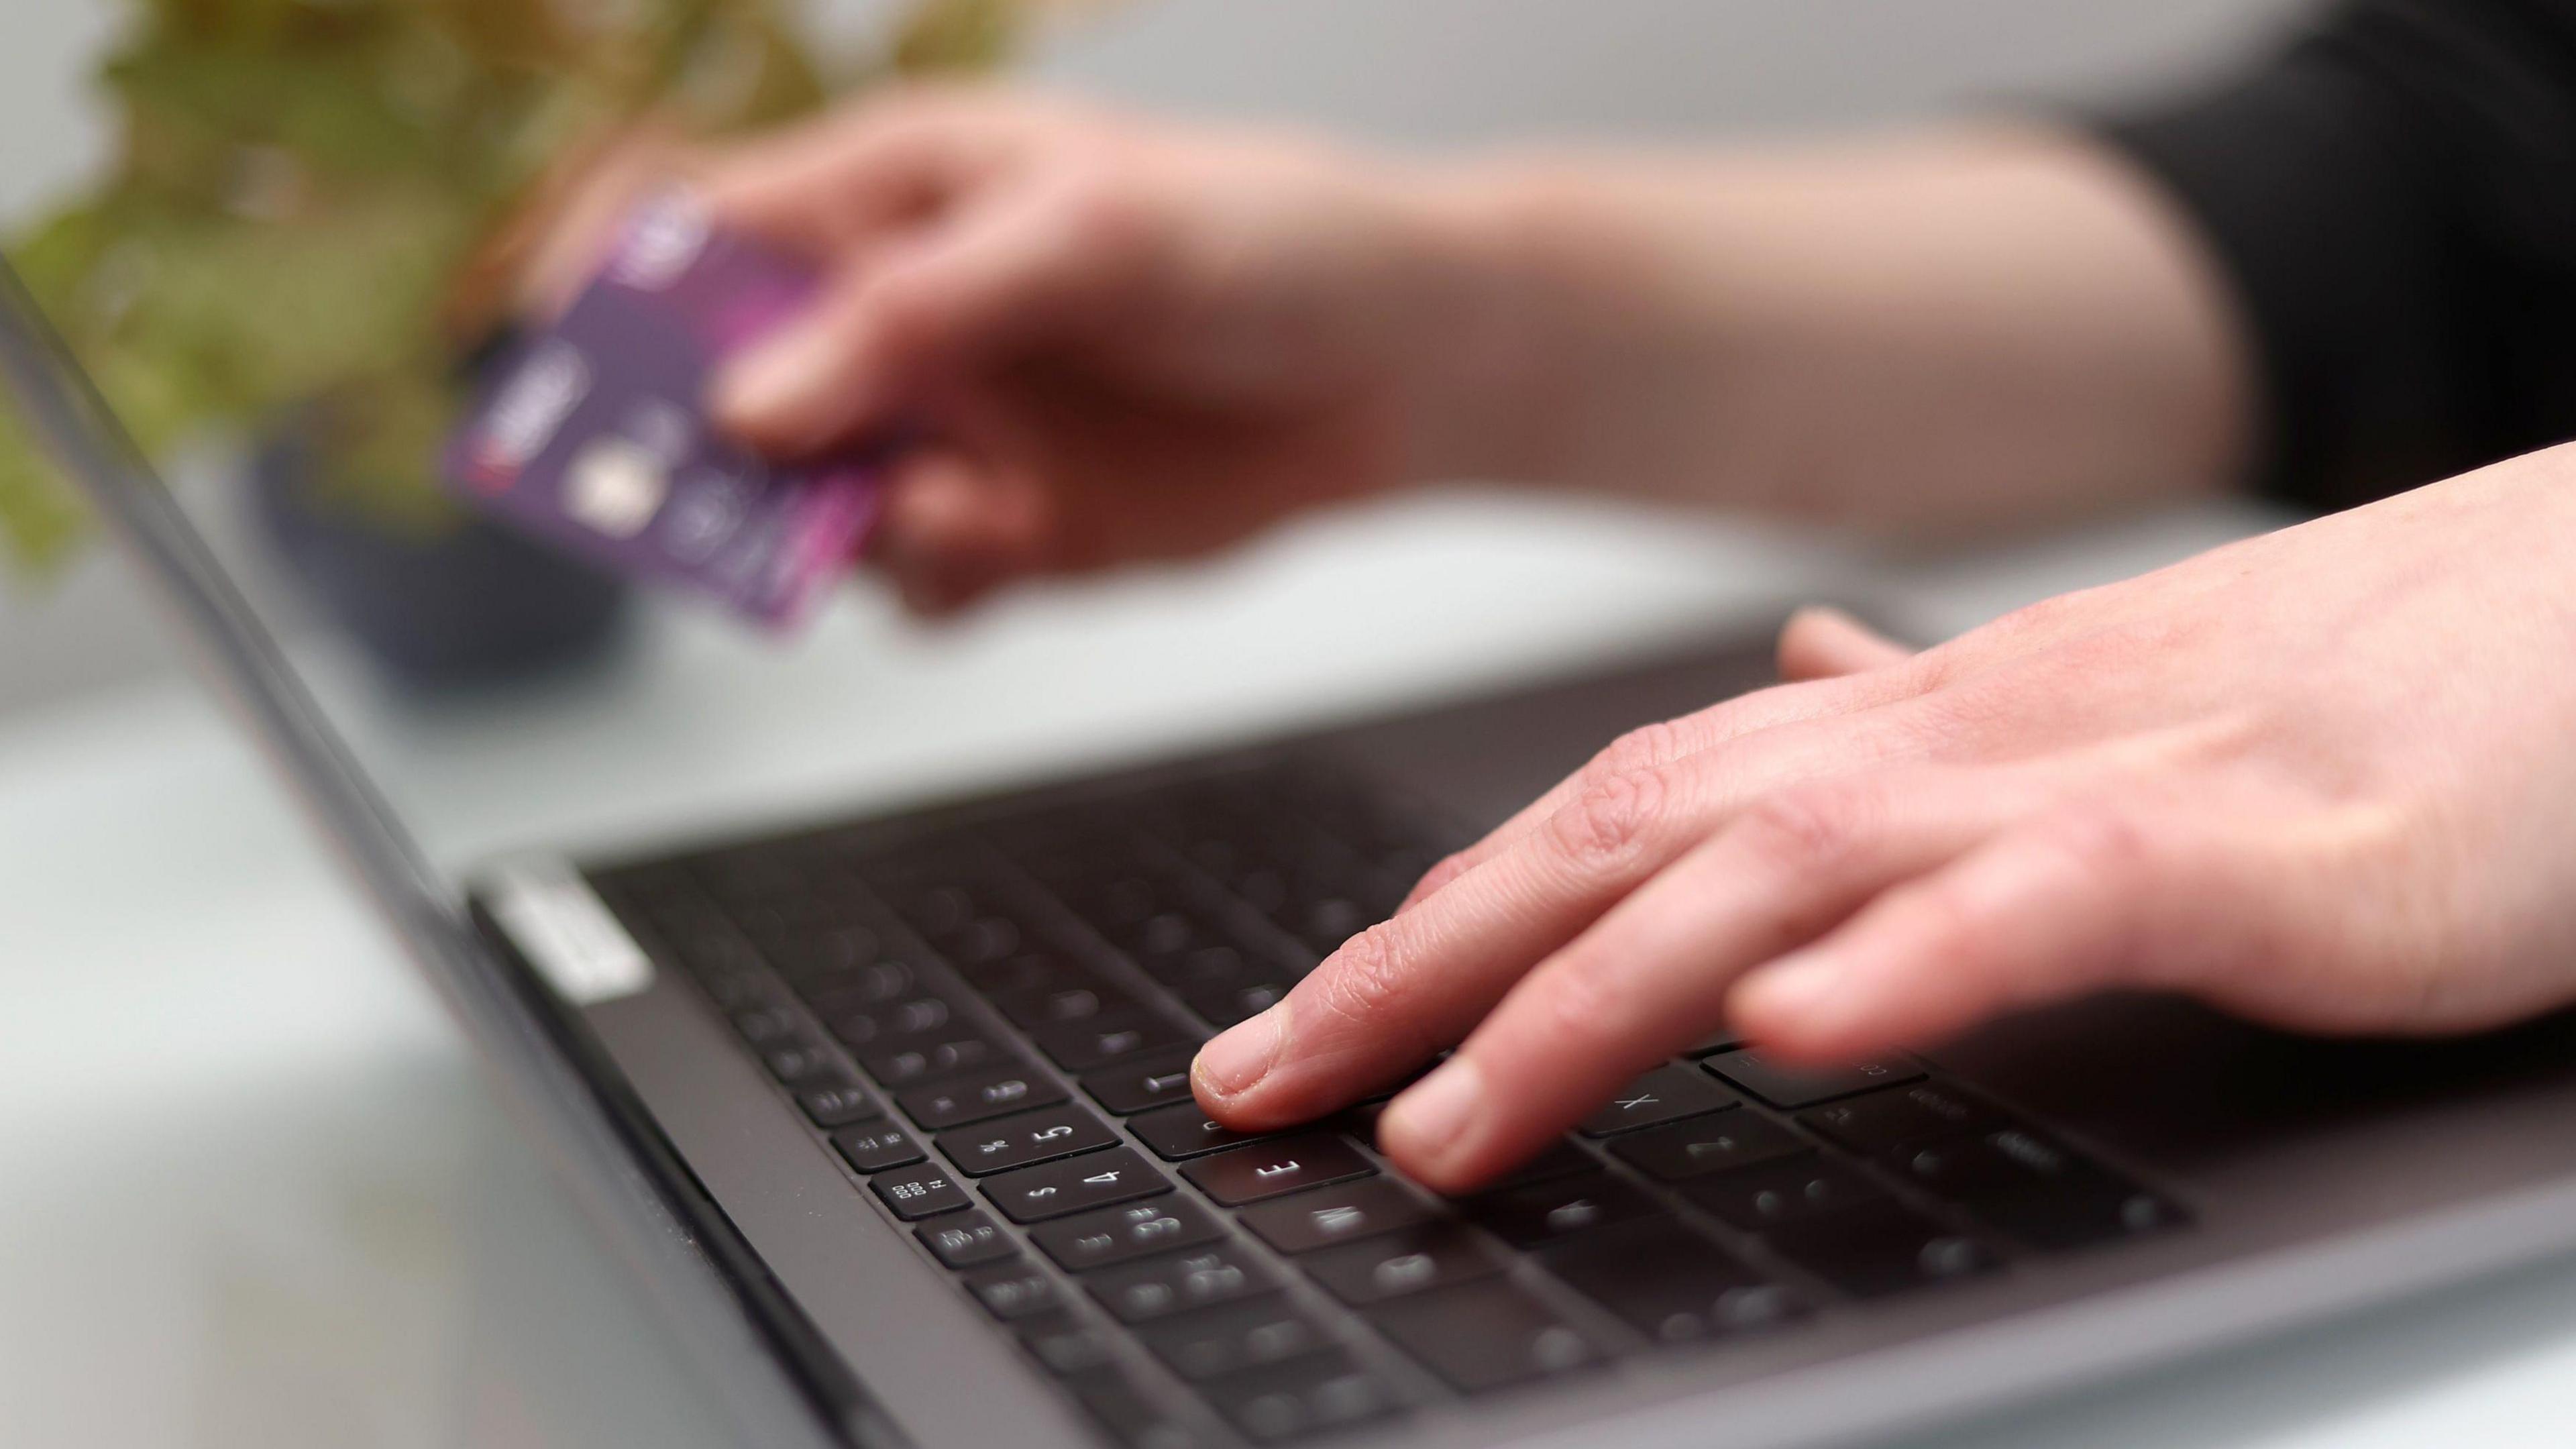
{"points": [[592, 432]]}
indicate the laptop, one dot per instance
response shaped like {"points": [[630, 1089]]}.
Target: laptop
{"points": [[891, 1114]]}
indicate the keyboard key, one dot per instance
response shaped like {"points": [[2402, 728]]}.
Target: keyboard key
{"points": [[1118, 905], [2037, 1190], [934, 907], [800, 1063], [1275, 1168], [1561, 1159], [1878, 1248], [1064, 1343], [965, 1240], [738, 992], [1066, 999], [919, 1192], [1120, 1234], [1659, 1096], [906, 1020], [1203, 968], [978, 1097], [983, 940], [1548, 1212], [1408, 1260], [1709, 1046], [1163, 937], [1030, 1137], [1027, 978], [1077, 1184], [1310, 1395], [1012, 1290], [1332, 1215], [1671, 1284], [828, 953], [1327, 922], [1786, 1191], [1157, 1079], [763, 1025], [1223, 1006], [858, 989], [1357, 1121], [1885, 1121], [1106, 1039], [1178, 1282], [927, 1061], [1232, 1338], [1698, 1146], [1184, 1131], [838, 1105], [1129, 1415], [1484, 1335], [876, 1146], [1801, 1087]]}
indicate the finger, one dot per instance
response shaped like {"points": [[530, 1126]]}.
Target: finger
{"points": [[945, 506], [2054, 910], [550, 243], [1661, 744], [956, 529], [1649, 977], [578, 233], [1821, 643], [890, 328], [839, 182], [1397, 992]]}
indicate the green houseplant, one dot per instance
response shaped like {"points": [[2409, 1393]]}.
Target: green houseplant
{"points": [[307, 210]]}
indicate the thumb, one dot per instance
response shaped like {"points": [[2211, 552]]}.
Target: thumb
{"points": [[982, 286]]}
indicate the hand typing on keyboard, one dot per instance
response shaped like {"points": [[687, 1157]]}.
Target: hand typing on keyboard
{"points": [[2319, 778]]}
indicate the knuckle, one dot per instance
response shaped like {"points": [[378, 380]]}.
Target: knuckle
{"points": [[1609, 819], [1937, 668], [1805, 827], [1369, 983], [1578, 1007], [1646, 747], [1945, 926], [2102, 845], [1099, 206]]}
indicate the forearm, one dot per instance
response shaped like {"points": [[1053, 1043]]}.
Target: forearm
{"points": [[1905, 336]]}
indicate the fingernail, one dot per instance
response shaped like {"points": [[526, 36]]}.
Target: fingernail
{"points": [[1434, 1117], [1242, 1055]]}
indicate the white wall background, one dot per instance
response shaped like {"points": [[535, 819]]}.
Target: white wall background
{"points": [[1420, 73]]}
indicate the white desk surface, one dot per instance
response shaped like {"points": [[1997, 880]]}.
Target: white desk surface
{"points": [[253, 1193]]}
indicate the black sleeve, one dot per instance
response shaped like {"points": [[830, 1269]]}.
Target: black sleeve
{"points": [[2394, 198]]}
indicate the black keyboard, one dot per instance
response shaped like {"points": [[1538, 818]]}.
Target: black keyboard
{"points": [[991, 1015]]}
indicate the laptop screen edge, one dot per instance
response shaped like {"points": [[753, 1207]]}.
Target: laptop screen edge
{"points": [[238, 658]]}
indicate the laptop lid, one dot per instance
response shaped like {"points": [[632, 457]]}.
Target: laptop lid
{"points": [[237, 650]]}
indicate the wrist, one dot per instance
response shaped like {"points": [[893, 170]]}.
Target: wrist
{"points": [[1492, 341], [1579, 327]]}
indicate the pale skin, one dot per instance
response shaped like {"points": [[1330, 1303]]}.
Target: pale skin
{"points": [[2314, 778]]}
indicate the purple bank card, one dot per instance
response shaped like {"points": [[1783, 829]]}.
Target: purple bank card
{"points": [[593, 432]]}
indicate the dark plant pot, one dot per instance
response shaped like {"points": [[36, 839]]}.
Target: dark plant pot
{"points": [[474, 607]]}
